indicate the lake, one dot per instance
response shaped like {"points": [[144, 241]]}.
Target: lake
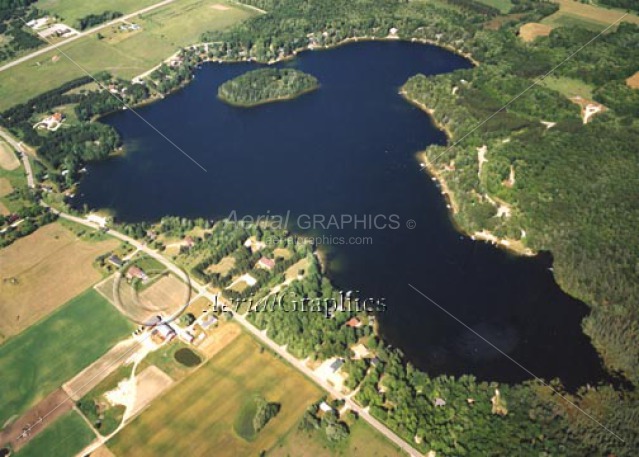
{"points": [[349, 148]]}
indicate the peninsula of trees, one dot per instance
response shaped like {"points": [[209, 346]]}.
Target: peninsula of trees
{"points": [[266, 85]]}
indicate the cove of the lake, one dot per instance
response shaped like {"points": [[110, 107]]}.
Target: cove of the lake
{"points": [[349, 148]]}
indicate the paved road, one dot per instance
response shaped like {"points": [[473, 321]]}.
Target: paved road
{"points": [[260, 335], [18, 146], [83, 34]]}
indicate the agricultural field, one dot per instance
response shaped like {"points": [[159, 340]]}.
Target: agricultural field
{"points": [[125, 54], [42, 271], [66, 436], [36, 362], [363, 441], [72, 10], [8, 159], [528, 32], [204, 407], [576, 14]]}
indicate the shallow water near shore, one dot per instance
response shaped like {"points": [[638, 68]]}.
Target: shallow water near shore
{"points": [[349, 148]]}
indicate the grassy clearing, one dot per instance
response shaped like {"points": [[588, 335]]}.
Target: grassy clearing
{"points": [[164, 359], [66, 436], [72, 10], [363, 441], [568, 86], [591, 17], [528, 32], [123, 53], [36, 362], [502, 5], [42, 271], [243, 424], [16, 179], [203, 407]]}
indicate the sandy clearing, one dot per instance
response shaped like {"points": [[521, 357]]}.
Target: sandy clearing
{"points": [[633, 81], [150, 384], [220, 7], [8, 159], [528, 32]]}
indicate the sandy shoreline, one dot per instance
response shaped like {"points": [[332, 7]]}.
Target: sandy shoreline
{"points": [[514, 246]]}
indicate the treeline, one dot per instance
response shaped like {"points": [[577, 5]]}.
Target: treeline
{"points": [[13, 15], [475, 7], [625, 4], [92, 20], [266, 85]]}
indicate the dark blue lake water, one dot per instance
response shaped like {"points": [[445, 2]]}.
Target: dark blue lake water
{"points": [[349, 148]]}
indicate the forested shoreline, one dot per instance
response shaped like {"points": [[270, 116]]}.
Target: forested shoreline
{"points": [[266, 85], [571, 189]]}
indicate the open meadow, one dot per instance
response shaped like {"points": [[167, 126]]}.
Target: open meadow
{"points": [[42, 271], [37, 361], [577, 14], [72, 10], [8, 158], [124, 53], [196, 417]]}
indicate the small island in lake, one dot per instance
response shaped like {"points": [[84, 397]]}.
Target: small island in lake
{"points": [[266, 85]]}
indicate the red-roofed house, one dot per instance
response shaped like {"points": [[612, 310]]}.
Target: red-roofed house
{"points": [[354, 322], [267, 264]]}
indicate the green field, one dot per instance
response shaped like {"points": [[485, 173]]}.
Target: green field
{"points": [[363, 441], [65, 437], [124, 54], [72, 10], [502, 5], [197, 416], [40, 359], [568, 86]]}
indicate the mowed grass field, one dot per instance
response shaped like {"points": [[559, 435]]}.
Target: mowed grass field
{"points": [[40, 359], [72, 10], [42, 271], [363, 441], [575, 14], [8, 158], [124, 54], [65, 437], [196, 417]]}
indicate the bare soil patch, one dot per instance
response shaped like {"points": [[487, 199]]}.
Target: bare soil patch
{"points": [[220, 7], [36, 420], [528, 32], [150, 383], [219, 339], [633, 81]]}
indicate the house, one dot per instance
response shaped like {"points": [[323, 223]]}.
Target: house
{"points": [[360, 351], [375, 361], [253, 244], [210, 321], [135, 272], [189, 242], [115, 261], [354, 322], [336, 365], [265, 263], [99, 220], [165, 332], [325, 407], [57, 116], [440, 402]]}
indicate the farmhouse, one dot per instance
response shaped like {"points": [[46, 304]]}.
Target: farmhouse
{"points": [[265, 263], [135, 272]]}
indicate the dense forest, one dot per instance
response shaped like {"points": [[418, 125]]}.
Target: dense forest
{"points": [[266, 85]]}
